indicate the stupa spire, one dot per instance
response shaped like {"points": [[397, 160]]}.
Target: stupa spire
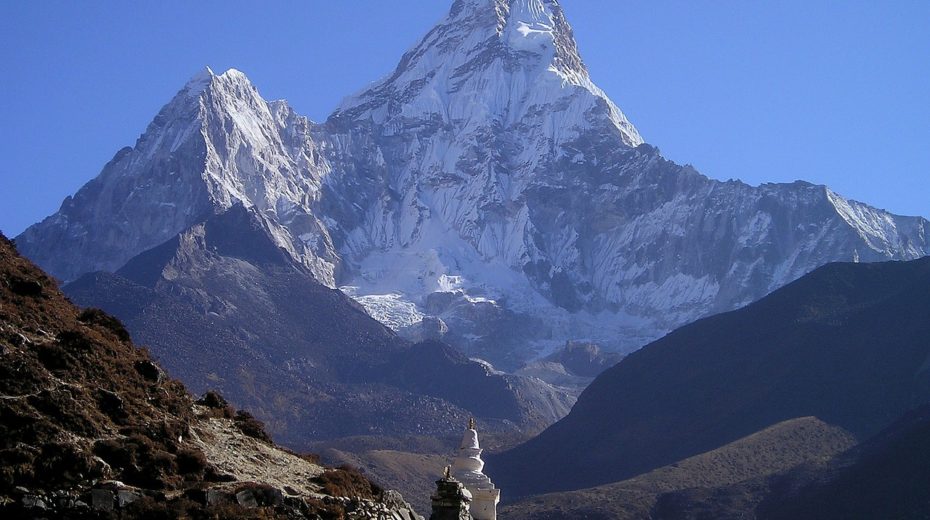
{"points": [[468, 468]]}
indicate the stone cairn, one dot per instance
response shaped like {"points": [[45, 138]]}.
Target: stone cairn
{"points": [[451, 500]]}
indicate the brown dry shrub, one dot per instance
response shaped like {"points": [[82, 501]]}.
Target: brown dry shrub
{"points": [[53, 357], [68, 412], [16, 467], [348, 481], [118, 453], [141, 462], [212, 474], [74, 340], [251, 426], [93, 316], [218, 407], [191, 461], [265, 494], [61, 465], [325, 511], [312, 458]]}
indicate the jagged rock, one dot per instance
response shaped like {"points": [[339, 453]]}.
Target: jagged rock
{"points": [[110, 403], [215, 497], [450, 501], [124, 497], [430, 328], [246, 498], [34, 502], [26, 287], [440, 301], [102, 499], [150, 371]]}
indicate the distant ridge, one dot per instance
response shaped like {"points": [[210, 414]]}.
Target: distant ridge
{"points": [[846, 344], [223, 307]]}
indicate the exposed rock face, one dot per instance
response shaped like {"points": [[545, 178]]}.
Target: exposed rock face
{"points": [[225, 308], [217, 143], [488, 168]]}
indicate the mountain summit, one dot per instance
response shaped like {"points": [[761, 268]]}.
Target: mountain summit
{"points": [[486, 192], [494, 62], [215, 144]]}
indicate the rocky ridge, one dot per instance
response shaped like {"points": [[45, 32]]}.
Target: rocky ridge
{"points": [[223, 307], [92, 428]]}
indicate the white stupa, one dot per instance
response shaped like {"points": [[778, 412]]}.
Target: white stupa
{"points": [[468, 467]]}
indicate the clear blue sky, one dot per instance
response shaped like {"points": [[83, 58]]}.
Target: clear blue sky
{"points": [[834, 92]]}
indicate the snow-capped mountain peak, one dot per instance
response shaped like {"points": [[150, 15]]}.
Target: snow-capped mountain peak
{"points": [[486, 190], [492, 62], [199, 82], [215, 144]]}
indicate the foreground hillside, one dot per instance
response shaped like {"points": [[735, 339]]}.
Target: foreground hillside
{"points": [[91, 427], [846, 344]]}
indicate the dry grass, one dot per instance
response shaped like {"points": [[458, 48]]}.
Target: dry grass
{"points": [[79, 405], [348, 481], [773, 450]]}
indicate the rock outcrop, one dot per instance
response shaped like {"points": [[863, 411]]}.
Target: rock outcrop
{"points": [[451, 500], [90, 427], [222, 307]]}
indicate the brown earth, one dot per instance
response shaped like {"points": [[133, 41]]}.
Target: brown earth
{"points": [[91, 427]]}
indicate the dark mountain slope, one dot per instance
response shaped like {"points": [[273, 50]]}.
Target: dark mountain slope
{"points": [[847, 344], [765, 453], [223, 307], [886, 477], [90, 427]]}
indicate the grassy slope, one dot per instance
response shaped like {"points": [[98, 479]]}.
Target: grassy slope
{"points": [[767, 452]]}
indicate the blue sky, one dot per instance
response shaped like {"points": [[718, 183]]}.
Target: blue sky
{"points": [[829, 91]]}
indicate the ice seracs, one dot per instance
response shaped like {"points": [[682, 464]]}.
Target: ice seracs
{"points": [[468, 468]]}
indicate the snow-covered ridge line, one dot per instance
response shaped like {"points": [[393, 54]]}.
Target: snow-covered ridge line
{"points": [[486, 192]]}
